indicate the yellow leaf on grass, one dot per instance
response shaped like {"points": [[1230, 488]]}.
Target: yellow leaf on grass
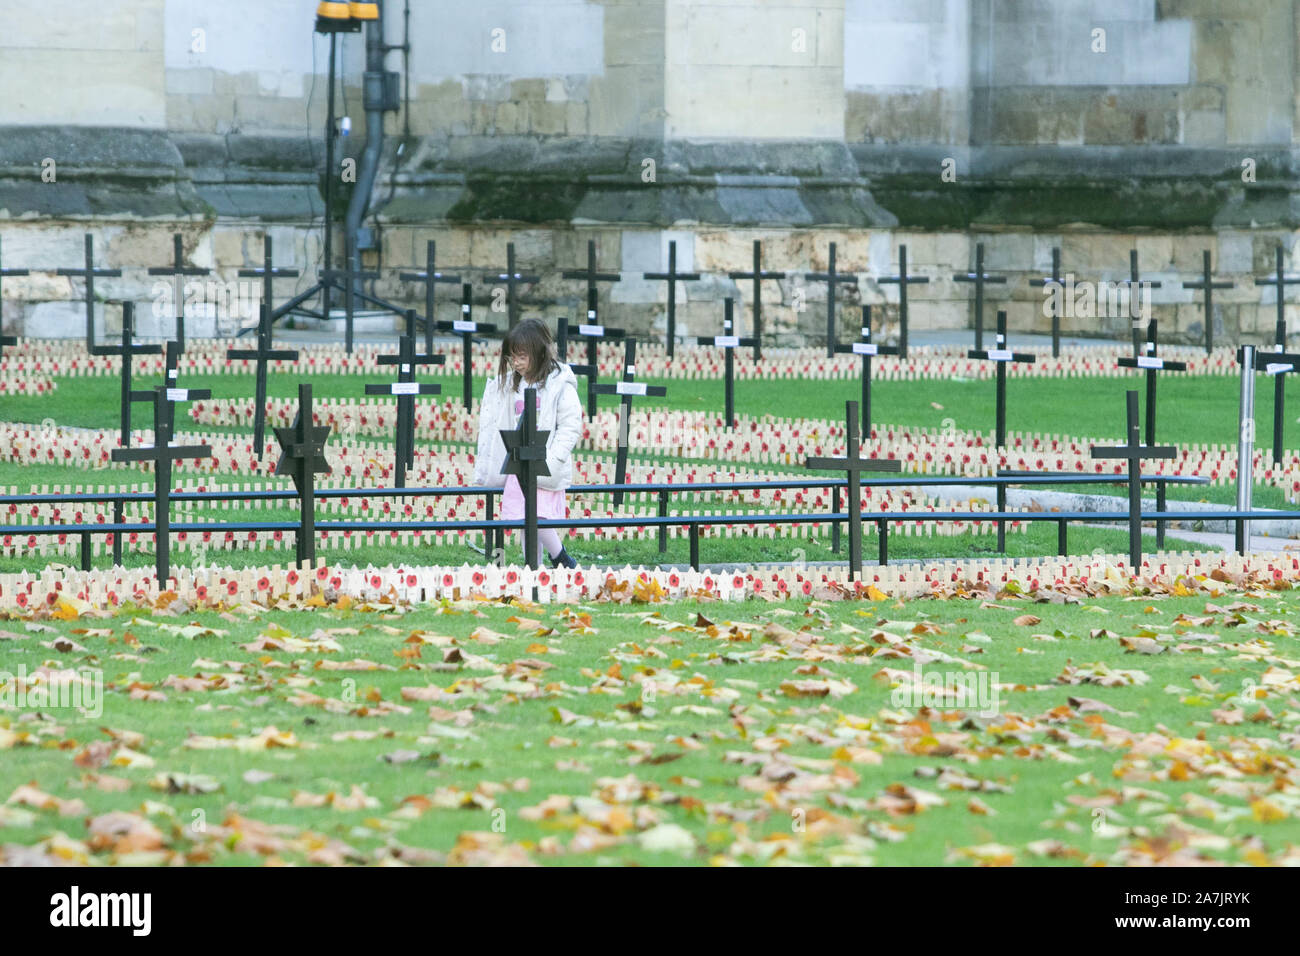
{"points": [[1265, 811]]}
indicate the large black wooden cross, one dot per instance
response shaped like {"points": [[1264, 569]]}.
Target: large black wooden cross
{"points": [[1281, 281], [591, 277], [177, 271], [853, 465], [1134, 452], [89, 273], [8, 339], [672, 277], [902, 280], [562, 351], [1043, 283], [1133, 281], [268, 274], [405, 389], [729, 341], [1001, 355], [593, 334], [832, 280], [866, 348], [261, 355], [162, 453], [625, 390], [1209, 284], [512, 277], [757, 275], [431, 277], [526, 460], [1278, 364], [127, 350], [979, 277], [1153, 365], [302, 457], [466, 328]]}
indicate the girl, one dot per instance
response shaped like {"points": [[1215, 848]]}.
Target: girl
{"points": [[528, 360]]}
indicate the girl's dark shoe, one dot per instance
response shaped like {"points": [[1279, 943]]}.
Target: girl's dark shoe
{"points": [[563, 559]]}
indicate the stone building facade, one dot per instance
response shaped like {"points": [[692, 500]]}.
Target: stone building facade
{"points": [[1092, 126]]}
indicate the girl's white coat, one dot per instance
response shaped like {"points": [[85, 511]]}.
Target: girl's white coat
{"points": [[560, 414]]}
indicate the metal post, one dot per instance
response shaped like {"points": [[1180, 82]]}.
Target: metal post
{"points": [[882, 529], [1162, 495], [694, 527], [672, 297], [1061, 548], [117, 535], [1246, 446], [663, 528], [835, 525], [1002, 507]]}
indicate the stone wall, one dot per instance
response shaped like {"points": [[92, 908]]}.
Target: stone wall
{"points": [[715, 121], [794, 307]]}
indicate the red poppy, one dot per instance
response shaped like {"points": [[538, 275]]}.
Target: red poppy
{"points": [[478, 577], [375, 581], [231, 588], [511, 577], [292, 577], [336, 582], [263, 584], [544, 578], [447, 580], [410, 580], [322, 573], [202, 592]]}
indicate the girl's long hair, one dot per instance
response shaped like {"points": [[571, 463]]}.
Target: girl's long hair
{"points": [[533, 338]]}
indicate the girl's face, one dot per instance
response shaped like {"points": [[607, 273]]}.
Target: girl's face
{"points": [[519, 362]]}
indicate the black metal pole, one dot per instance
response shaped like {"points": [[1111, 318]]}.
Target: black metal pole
{"points": [[902, 301], [672, 296], [1056, 312], [830, 305]]}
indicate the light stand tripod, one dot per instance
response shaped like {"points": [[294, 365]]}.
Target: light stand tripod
{"points": [[334, 284]]}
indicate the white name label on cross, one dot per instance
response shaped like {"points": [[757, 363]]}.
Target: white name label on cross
{"points": [[171, 372], [406, 368], [462, 326], [406, 388], [727, 341], [1148, 361], [630, 388], [865, 348], [1277, 368], [178, 394], [591, 330], [1000, 355]]}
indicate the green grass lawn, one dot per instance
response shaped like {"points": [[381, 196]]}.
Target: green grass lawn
{"points": [[1040, 540], [1192, 409], [1121, 731]]}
